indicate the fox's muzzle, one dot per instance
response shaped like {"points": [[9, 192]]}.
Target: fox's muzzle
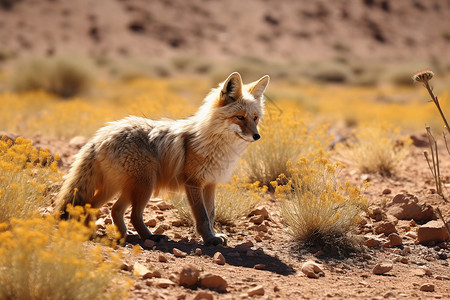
{"points": [[256, 136]]}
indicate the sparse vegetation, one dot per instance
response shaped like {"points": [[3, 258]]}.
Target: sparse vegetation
{"points": [[317, 205], [284, 137], [63, 76], [26, 175], [317, 209], [233, 201], [376, 148], [43, 258]]}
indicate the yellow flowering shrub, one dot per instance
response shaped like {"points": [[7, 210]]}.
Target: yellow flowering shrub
{"points": [[376, 148], [237, 199], [317, 209], [234, 200], [285, 136], [44, 258], [26, 174]]}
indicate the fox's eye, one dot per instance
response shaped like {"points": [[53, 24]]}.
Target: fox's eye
{"points": [[255, 118], [242, 118]]}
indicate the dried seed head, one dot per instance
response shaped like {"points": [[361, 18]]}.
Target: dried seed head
{"points": [[423, 75]]}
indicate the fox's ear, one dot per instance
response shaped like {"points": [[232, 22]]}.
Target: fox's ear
{"points": [[257, 88], [231, 89]]}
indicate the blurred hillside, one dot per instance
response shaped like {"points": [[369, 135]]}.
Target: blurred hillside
{"points": [[365, 30]]}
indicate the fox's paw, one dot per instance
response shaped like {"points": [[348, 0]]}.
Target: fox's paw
{"points": [[218, 239], [158, 238]]}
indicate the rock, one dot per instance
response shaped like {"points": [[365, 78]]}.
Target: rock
{"points": [[140, 270], [385, 227], [151, 223], [257, 219], [213, 282], [389, 295], [162, 283], [154, 274], [418, 272], [179, 253], [406, 207], [198, 251], [377, 213], [100, 223], [433, 231], [260, 212], [382, 268], [387, 191], [394, 240], [312, 270], [177, 223], [149, 243], [402, 259], [218, 258], [204, 296], [159, 230], [257, 290], [420, 140], [189, 275], [259, 266], [242, 248], [162, 258], [372, 242], [427, 287], [421, 272], [411, 234], [125, 267], [163, 205], [427, 271]]}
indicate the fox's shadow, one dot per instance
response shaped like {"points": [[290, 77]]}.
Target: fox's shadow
{"points": [[234, 256]]}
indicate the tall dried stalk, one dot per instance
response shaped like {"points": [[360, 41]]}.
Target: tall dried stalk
{"points": [[424, 76], [446, 224], [434, 164]]}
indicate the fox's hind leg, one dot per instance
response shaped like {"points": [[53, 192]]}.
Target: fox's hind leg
{"points": [[117, 212], [139, 193], [102, 195]]}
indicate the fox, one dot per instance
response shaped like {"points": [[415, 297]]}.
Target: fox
{"points": [[134, 158]]}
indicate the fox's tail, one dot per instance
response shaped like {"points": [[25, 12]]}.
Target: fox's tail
{"points": [[81, 182]]}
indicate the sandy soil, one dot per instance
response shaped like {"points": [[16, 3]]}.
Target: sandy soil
{"points": [[271, 261]]}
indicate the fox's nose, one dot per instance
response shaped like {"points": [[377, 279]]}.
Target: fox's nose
{"points": [[256, 136]]}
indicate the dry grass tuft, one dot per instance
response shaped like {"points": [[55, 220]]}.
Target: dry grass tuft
{"points": [[26, 175], [283, 138], [233, 201], [63, 76], [317, 209], [377, 148]]}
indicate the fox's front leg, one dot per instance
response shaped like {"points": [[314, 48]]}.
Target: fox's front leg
{"points": [[203, 224], [209, 195]]}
